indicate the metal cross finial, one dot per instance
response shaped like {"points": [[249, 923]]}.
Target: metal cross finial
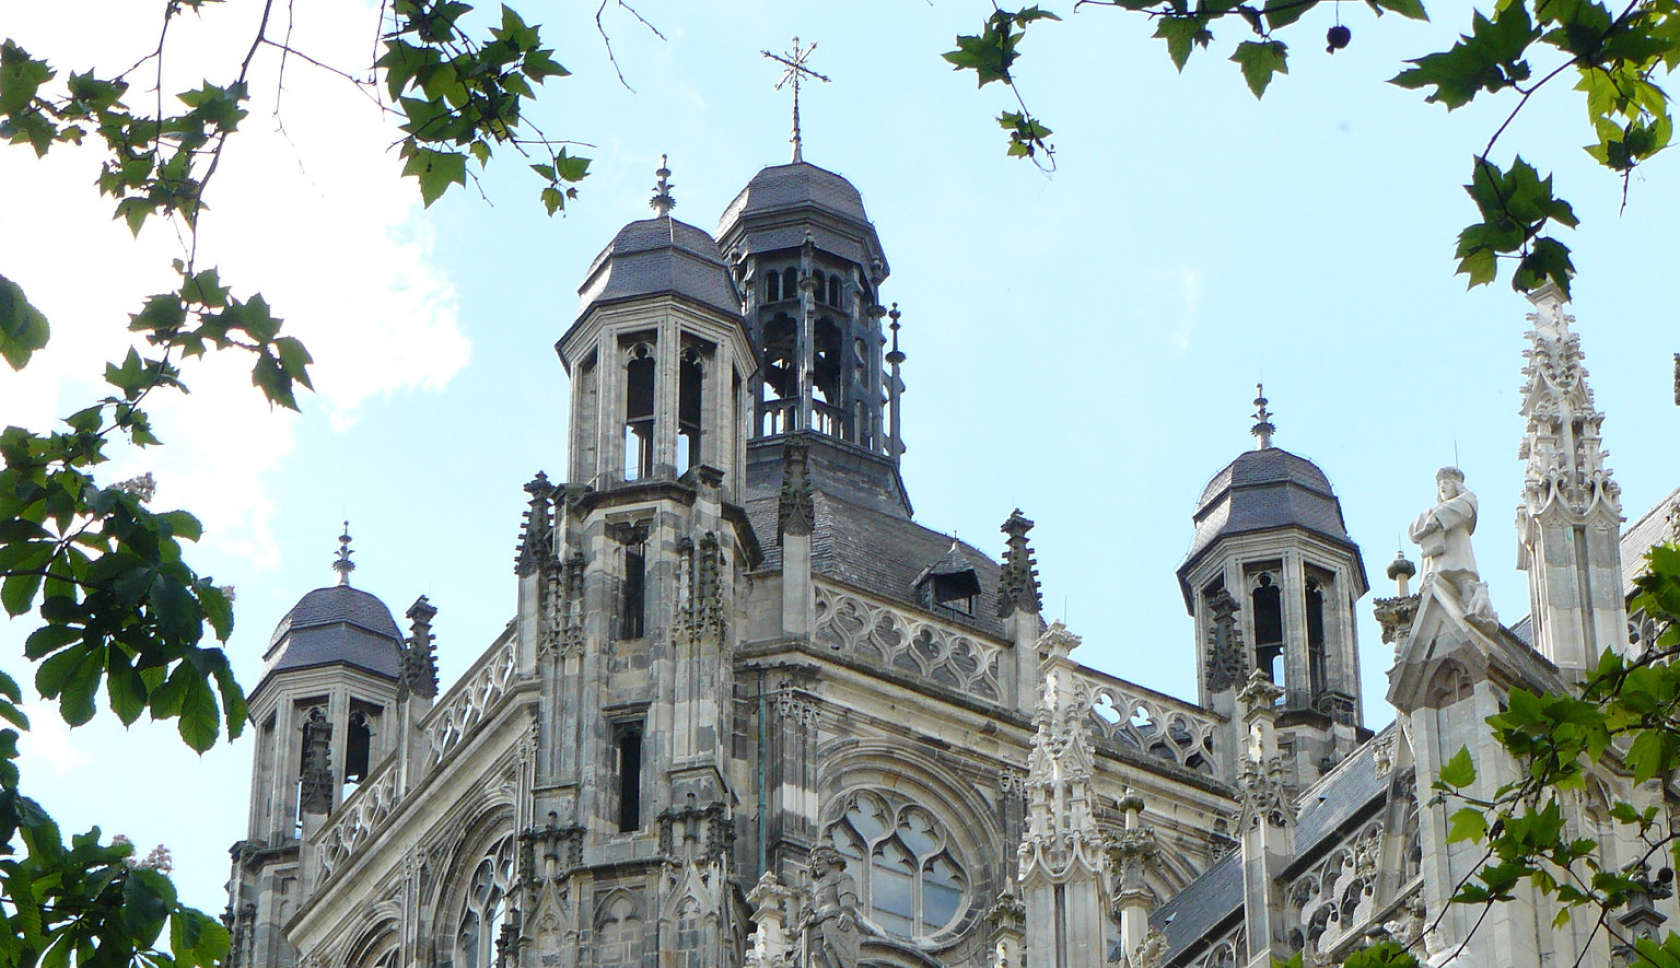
{"points": [[796, 69], [662, 201], [1263, 426], [343, 565]]}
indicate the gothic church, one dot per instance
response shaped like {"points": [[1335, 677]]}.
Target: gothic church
{"points": [[750, 713]]}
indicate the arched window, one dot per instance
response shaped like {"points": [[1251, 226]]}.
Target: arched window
{"points": [[689, 409], [834, 290], [1268, 625], [358, 749], [780, 374], [485, 909], [790, 282], [821, 286], [827, 363], [638, 413], [773, 287], [910, 882]]}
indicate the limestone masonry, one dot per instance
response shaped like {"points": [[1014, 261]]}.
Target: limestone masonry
{"points": [[750, 714]]}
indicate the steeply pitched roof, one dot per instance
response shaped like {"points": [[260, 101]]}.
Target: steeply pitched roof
{"points": [[657, 256], [1639, 537], [863, 534]]}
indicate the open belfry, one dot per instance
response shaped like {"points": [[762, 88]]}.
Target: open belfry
{"points": [[750, 712]]}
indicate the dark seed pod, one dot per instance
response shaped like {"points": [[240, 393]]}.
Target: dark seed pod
{"points": [[1337, 38]]}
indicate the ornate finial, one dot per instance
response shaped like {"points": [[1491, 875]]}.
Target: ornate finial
{"points": [[895, 356], [1401, 570], [662, 202], [1263, 426], [343, 565], [794, 61]]}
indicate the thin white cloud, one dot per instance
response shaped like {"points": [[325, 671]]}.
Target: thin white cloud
{"points": [[1187, 322], [307, 206]]}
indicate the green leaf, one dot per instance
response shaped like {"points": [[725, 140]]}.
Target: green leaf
{"points": [[1460, 771], [436, 171], [17, 593], [1260, 59], [1405, 8], [23, 328], [1467, 823], [1181, 33], [200, 720], [1282, 13]]}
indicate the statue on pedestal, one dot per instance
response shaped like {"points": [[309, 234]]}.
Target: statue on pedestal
{"points": [[1443, 534], [831, 923]]}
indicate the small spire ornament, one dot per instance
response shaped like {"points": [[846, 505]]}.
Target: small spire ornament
{"points": [[1263, 427], [662, 201], [342, 564]]}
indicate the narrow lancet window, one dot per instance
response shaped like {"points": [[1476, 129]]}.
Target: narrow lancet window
{"points": [[358, 745], [1268, 626], [627, 743], [638, 414], [821, 287], [834, 290], [790, 282], [632, 623], [689, 410], [1316, 671], [773, 287]]}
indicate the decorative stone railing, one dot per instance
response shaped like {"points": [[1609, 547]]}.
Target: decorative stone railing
{"points": [[1127, 715], [357, 819], [451, 720], [914, 644], [466, 705]]}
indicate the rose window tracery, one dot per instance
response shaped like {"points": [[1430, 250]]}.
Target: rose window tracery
{"points": [[911, 882]]}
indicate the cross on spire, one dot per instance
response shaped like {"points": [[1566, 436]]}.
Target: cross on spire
{"points": [[343, 565], [662, 201], [794, 61]]}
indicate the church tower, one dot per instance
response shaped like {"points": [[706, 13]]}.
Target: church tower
{"points": [[1569, 522], [325, 711], [1271, 580], [627, 585]]}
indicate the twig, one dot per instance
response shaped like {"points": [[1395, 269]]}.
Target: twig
{"points": [[607, 41]]}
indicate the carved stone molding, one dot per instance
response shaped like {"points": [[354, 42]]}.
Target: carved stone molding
{"points": [[1018, 587], [795, 510]]}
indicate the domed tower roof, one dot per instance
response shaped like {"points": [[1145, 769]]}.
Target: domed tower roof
{"points": [[659, 256], [1264, 490], [338, 624], [783, 202]]}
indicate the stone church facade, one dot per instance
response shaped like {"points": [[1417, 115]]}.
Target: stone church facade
{"points": [[750, 713]]}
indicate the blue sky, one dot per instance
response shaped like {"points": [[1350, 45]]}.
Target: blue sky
{"points": [[1082, 345]]}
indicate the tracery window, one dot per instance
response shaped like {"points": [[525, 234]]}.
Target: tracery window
{"points": [[911, 883], [485, 909]]}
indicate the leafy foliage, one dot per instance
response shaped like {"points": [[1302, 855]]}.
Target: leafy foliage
{"points": [[1616, 56], [1626, 717], [120, 615]]}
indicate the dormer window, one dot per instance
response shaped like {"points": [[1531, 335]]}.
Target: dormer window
{"points": [[950, 583]]}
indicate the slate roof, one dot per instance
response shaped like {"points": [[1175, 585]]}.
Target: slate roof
{"points": [[784, 202], [1205, 903], [863, 534], [1262, 490], [1195, 914], [1638, 537], [657, 256], [338, 624]]}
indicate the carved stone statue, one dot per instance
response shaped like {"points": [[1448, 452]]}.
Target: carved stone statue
{"points": [[831, 926], [1443, 534]]}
